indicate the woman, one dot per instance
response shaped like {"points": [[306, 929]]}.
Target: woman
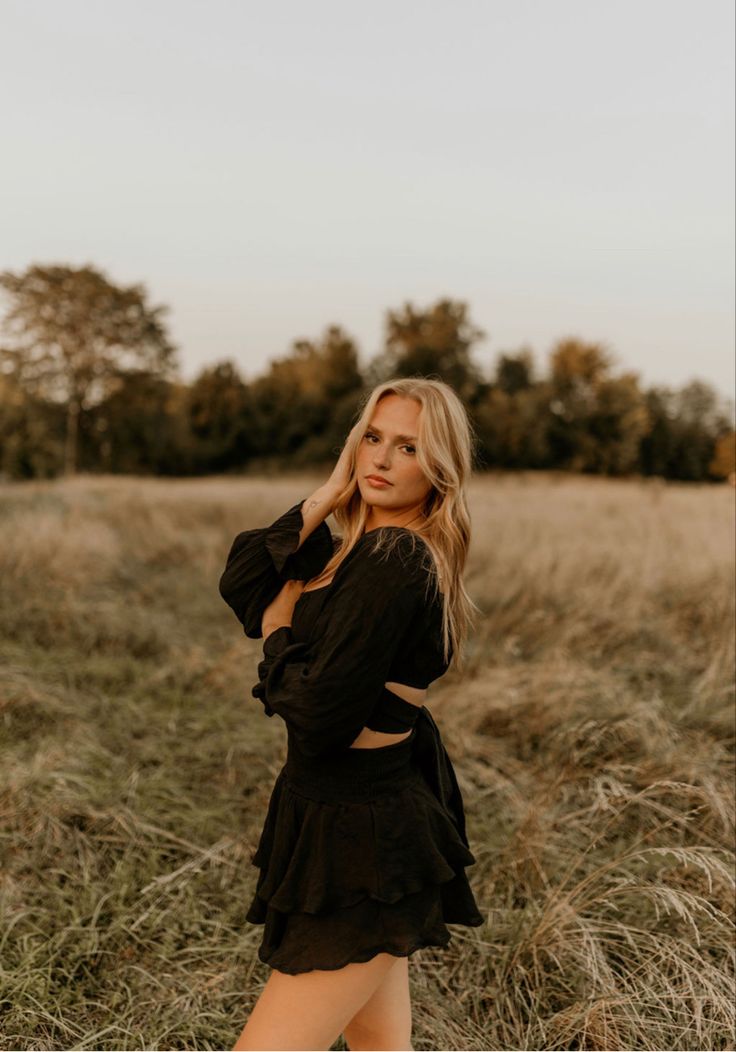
{"points": [[363, 851]]}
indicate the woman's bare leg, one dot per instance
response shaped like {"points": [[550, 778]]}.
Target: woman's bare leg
{"points": [[311, 1010], [384, 1021]]}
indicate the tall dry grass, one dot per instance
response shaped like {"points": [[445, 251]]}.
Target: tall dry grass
{"points": [[592, 732]]}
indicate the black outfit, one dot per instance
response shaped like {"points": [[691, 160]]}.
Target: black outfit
{"points": [[362, 850]]}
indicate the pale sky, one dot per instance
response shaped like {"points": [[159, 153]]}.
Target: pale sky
{"points": [[268, 168]]}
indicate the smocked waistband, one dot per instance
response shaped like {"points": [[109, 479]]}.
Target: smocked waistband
{"points": [[352, 774]]}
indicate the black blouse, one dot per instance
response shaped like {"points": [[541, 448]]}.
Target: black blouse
{"points": [[378, 620]]}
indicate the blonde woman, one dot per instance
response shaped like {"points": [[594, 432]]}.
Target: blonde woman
{"points": [[363, 851]]}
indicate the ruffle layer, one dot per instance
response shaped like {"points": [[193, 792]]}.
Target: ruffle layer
{"points": [[300, 942], [317, 857], [282, 538]]}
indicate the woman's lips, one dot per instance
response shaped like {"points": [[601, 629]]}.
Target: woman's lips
{"points": [[380, 483]]}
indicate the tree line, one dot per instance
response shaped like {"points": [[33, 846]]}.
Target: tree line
{"points": [[89, 381]]}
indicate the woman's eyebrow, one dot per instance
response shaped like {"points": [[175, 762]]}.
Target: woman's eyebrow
{"points": [[405, 438]]}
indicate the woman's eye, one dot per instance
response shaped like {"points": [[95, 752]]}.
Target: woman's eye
{"points": [[406, 446]]}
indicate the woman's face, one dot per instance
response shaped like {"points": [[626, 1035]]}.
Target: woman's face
{"points": [[388, 449]]}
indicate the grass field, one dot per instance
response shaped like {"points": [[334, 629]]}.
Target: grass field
{"points": [[592, 732]]}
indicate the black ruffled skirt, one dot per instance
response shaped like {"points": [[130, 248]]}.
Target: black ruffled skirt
{"points": [[362, 855]]}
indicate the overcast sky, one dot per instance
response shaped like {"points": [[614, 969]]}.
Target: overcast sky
{"points": [[566, 167]]}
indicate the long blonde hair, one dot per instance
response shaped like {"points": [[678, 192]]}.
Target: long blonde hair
{"points": [[445, 443]]}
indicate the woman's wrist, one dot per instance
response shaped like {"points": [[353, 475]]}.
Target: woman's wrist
{"points": [[326, 495], [316, 507], [332, 490]]}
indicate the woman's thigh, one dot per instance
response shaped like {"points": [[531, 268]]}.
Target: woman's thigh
{"points": [[311, 1010], [384, 1021]]}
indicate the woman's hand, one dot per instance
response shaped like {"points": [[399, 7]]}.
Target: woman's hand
{"points": [[280, 610], [342, 471]]}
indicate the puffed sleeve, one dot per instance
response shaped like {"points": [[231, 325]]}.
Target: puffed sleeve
{"points": [[261, 560], [326, 688]]}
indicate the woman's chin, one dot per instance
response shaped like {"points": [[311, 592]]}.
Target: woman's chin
{"points": [[373, 496]]}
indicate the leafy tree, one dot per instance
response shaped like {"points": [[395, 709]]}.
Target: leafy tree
{"points": [[73, 335], [685, 428], [302, 408], [218, 408], [596, 421], [141, 428], [723, 464], [658, 446], [577, 367], [29, 434], [617, 424], [511, 428], [433, 342], [514, 372], [700, 418]]}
